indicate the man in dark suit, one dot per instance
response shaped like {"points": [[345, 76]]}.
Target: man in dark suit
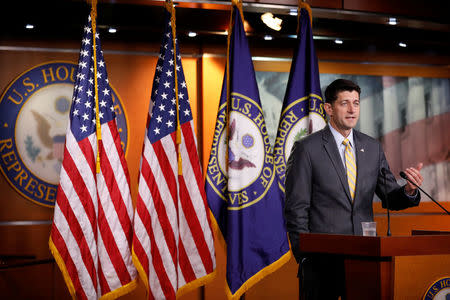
{"points": [[332, 176]]}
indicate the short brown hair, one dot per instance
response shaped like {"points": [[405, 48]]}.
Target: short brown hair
{"points": [[340, 85]]}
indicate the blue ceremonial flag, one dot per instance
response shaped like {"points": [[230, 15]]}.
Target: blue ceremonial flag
{"points": [[242, 192], [302, 111]]}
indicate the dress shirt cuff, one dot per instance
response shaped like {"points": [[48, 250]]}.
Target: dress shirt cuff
{"points": [[412, 197]]}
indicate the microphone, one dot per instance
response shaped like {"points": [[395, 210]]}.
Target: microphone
{"points": [[383, 171], [403, 175]]}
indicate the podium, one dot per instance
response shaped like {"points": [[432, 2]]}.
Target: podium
{"points": [[370, 261]]}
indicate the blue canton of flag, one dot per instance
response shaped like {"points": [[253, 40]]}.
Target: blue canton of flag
{"points": [[83, 109], [302, 111], [241, 188], [164, 115]]}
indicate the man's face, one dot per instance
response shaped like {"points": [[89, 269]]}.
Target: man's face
{"points": [[344, 112]]}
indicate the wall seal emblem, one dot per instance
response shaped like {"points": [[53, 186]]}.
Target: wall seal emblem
{"points": [[34, 112], [439, 290]]}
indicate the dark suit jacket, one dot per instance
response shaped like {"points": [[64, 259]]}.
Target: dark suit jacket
{"points": [[317, 194]]}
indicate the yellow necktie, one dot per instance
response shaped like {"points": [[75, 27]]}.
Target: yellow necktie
{"points": [[350, 165]]}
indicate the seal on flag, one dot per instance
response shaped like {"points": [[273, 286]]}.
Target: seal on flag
{"points": [[34, 111], [297, 120], [248, 173]]}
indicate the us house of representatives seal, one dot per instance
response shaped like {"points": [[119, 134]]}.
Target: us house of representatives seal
{"points": [[34, 114], [298, 119], [439, 290], [245, 176]]}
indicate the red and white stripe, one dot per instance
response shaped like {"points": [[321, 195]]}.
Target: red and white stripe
{"points": [[92, 226], [173, 240]]}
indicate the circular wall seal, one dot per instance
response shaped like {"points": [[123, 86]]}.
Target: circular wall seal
{"points": [[34, 112], [439, 290]]}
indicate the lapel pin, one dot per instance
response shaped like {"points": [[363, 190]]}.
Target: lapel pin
{"points": [[362, 150]]}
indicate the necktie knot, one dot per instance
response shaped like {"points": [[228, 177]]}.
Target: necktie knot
{"points": [[346, 142]]}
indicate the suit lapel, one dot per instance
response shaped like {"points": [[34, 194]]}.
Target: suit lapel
{"points": [[333, 152]]}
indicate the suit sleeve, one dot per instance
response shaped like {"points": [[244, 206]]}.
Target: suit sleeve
{"points": [[298, 195], [396, 195]]}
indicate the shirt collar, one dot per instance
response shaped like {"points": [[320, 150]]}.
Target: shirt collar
{"points": [[339, 138]]}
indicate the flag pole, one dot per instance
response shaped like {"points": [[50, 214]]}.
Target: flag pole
{"points": [[171, 8], [238, 4], [97, 116], [227, 70]]}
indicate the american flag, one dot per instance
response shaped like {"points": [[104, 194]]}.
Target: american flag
{"points": [[173, 242], [92, 230]]}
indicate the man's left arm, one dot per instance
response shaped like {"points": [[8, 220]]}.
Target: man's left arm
{"points": [[399, 197]]}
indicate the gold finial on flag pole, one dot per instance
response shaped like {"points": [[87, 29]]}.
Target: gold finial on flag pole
{"points": [[97, 117], [238, 4], [303, 4]]}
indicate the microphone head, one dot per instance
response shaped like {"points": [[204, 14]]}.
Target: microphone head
{"points": [[403, 175]]}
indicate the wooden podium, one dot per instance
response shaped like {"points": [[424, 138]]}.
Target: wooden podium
{"points": [[370, 261]]}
